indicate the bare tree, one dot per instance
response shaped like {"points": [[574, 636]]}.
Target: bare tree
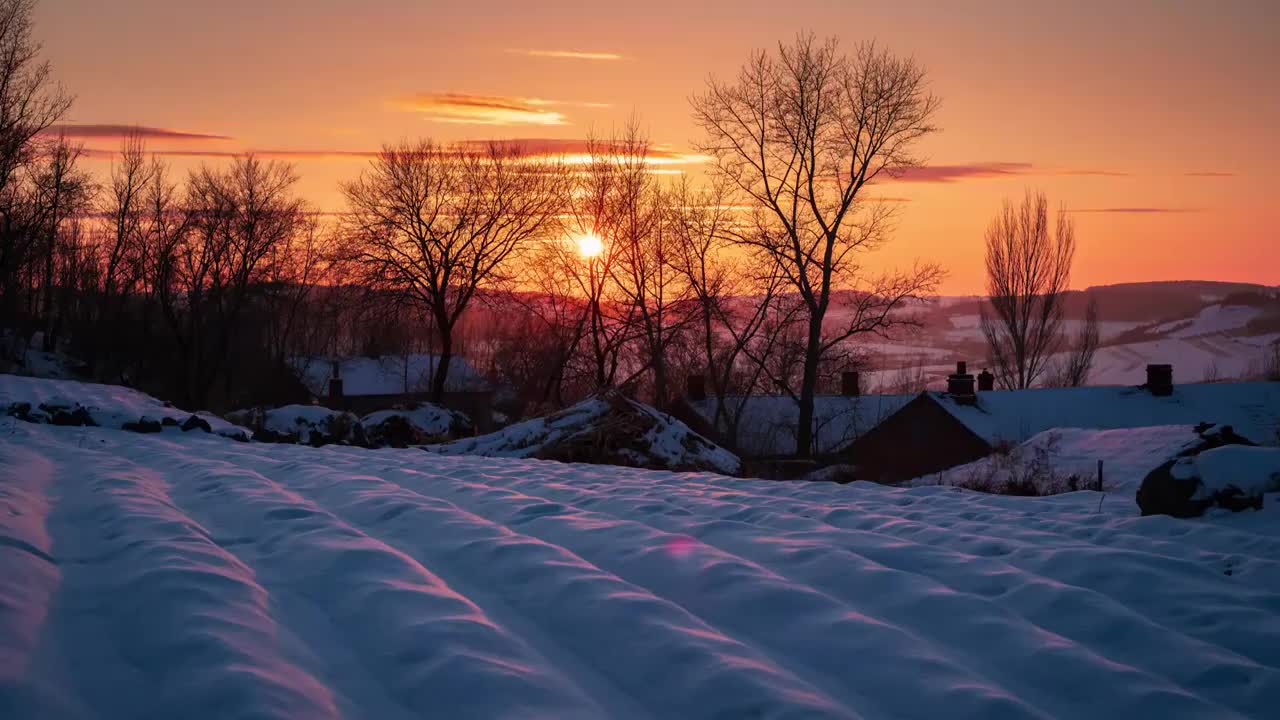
{"points": [[800, 134], [640, 221], [129, 179], [439, 224], [1073, 369], [208, 264], [560, 314], [63, 191], [122, 249], [1028, 270], [594, 218], [30, 102]]}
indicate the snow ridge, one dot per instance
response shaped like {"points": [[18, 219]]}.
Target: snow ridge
{"points": [[185, 575]]}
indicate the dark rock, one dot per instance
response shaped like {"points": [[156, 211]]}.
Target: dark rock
{"points": [[169, 421], [1163, 494], [195, 422], [264, 435], [21, 411], [395, 431], [64, 416], [143, 425]]}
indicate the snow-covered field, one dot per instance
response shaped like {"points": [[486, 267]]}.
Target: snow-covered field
{"points": [[188, 576]]}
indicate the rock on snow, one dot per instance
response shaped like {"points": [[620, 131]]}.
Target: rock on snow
{"points": [[605, 429]]}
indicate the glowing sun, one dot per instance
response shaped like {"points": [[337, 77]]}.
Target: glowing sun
{"points": [[589, 246]]}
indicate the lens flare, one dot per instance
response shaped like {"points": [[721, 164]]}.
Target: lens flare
{"points": [[589, 246]]}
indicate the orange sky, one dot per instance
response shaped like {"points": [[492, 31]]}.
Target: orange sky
{"points": [[1156, 121]]}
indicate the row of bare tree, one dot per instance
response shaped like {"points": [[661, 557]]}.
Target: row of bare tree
{"points": [[558, 276]]}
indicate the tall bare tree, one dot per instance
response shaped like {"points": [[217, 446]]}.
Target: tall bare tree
{"points": [[800, 134], [1028, 270], [30, 102], [62, 191], [640, 221], [440, 224]]}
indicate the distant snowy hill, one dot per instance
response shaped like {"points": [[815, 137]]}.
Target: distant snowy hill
{"points": [[1207, 331]]}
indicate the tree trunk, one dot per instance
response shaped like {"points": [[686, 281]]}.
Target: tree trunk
{"points": [[808, 388], [442, 368], [659, 379]]}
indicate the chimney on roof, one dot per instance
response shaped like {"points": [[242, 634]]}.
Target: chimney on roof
{"points": [[960, 384], [850, 383], [986, 381], [1160, 380], [696, 387], [335, 382]]}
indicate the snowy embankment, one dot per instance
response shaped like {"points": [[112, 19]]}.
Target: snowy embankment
{"points": [[44, 400], [184, 575]]}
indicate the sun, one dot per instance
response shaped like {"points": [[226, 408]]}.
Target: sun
{"points": [[589, 246]]}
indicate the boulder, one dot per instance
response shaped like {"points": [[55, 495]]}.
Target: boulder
{"points": [[196, 422], [67, 416], [1234, 477], [143, 425]]}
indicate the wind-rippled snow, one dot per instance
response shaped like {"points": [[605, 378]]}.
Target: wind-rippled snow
{"points": [[172, 575]]}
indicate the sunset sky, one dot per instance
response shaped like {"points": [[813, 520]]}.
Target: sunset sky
{"points": [[1156, 123]]}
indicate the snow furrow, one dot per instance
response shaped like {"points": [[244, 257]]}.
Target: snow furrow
{"points": [[188, 576], [183, 622], [700, 672], [26, 555], [821, 636], [428, 645], [1019, 578], [922, 582]]}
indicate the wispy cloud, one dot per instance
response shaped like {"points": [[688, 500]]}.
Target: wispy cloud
{"points": [[1210, 174], [579, 150], [566, 54], [951, 173], [1094, 173], [114, 131], [980, 170], [571, 150], [1136, 210], [482, 109], [103, 153]]}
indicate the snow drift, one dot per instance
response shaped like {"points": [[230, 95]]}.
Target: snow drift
{"points": [[1052, 458], [606, 429], [183, 575]]}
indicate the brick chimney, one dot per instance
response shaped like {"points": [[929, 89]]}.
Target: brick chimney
{"points": [[986, 381], [960, 384], [1160, 380], [696, 387], [850, 383], [335, 383]]}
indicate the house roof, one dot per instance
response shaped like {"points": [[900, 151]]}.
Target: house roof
{"points": [[767, 423], [1251, 409], [387, 375]]}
